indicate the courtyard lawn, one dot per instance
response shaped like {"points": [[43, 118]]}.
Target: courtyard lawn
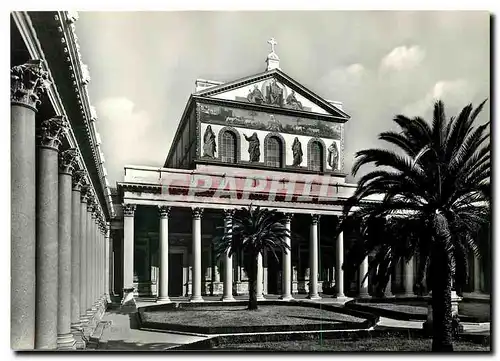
{"points": [[266, 315], [382, 344]]}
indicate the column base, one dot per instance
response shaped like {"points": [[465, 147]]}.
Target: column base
{"points": [[342, 298], [79, 338], [286, 297], [364, 295], [196, 299], [314, 297], [476, 295], [163, 299], [407, 295], [227, 298], [66, 342]]}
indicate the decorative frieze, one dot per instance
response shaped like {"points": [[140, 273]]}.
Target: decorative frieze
{"points": [[27, 82], [128, 210], [68, 160], [164, 211], [51, 131]]}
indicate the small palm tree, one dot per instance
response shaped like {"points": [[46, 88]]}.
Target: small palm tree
{"points": [[253, 230], [435, 197]]}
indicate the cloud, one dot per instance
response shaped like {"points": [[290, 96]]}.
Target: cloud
{"points": [[343, 78], [454, 93], [124, 127], [403, 58]]}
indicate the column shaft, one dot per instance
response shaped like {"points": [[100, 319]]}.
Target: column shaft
{"points": [[313, 259], [128, 247], [228, 260], [75, 251], [339, 273], [408, 270], [47, 237], [83, 252], [477, 275], [107, 268], [65, 339], [286, 279], [363, 282], [23, 216], [88, 265], [260, 278], [163, 291], [196, 251]]}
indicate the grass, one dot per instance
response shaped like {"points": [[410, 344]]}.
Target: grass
{"points": [[380, 344], [266, 315]]}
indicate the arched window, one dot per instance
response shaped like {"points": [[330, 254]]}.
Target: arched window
{"points": [[316, 156], [274, 152], [228, 147]]}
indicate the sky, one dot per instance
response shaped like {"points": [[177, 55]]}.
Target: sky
{"points": [[143, 67]]}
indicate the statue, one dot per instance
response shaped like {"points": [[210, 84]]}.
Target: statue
{"points": [[253, 147], [333, 156], [292, 101], [297, 152], [274, 95], [209, 146], [255, 95]]}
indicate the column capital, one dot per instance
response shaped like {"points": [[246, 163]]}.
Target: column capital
{"points": [[51, 131], [228, 214], [197, 212], [164, 211], [78, 180], [315, 218], [288, 216], [68, 160], [128, 209], [85, 190], [27, 82]]}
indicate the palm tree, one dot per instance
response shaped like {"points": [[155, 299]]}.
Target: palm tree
{"points": [[434, 197], [252, 231]]}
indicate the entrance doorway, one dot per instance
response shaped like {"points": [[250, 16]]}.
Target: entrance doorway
{"points": [[175, 277]]}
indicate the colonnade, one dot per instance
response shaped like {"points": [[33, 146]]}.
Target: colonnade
{"points": [[59, 234]]}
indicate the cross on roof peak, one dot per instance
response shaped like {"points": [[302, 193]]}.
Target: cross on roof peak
{"points": [[273, 42]]}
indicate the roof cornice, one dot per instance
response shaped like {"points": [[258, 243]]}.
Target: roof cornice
{"points": [[28, 33]]}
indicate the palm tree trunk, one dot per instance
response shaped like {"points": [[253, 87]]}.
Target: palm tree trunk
{"points": [[442, 327], [252, 280]]}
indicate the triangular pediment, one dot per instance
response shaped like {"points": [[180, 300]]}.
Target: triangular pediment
{"points": [[273, 88]]}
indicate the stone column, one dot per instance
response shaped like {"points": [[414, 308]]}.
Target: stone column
{"points": [[47, 234], [477, 275], [128, 248], [260, 278], [388, 288], [286, 279], [408, 271], [339, 273], [228, 260], [75, 248], [27, 83], [163, 291], [313, 258], [111, 263], [88, 263], [363, 282], [92, 270], [65, 339], [83, 239], [107, 267], [196, 284]]}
